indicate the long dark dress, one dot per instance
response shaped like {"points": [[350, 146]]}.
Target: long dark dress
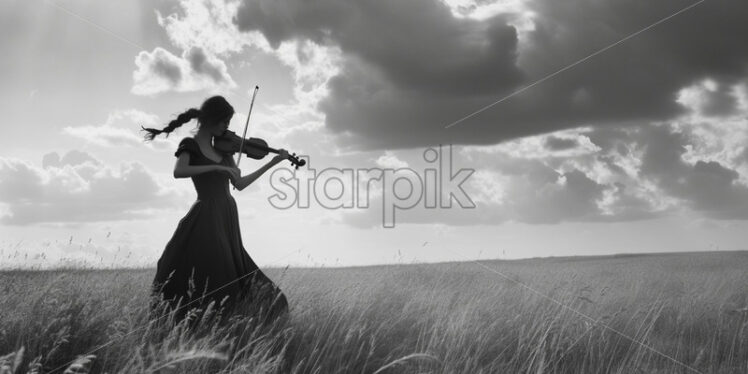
{"points": [[208, 242]]}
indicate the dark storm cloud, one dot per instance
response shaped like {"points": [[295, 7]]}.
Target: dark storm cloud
{"points": [[410, 68], [412, 42], [719, 103], [706, 186]]}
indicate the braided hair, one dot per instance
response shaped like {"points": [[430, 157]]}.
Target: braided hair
{"points": [[212, 110]]}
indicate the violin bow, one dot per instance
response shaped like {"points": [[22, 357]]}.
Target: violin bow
{"points": [[246, 125]]}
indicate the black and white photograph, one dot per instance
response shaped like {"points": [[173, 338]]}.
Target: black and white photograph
{"points": [[374, 186]]}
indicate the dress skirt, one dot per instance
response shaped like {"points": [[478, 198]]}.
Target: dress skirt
{"points": [[205, 260]]}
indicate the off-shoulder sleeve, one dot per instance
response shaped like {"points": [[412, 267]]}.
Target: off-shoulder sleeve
{"points": [[189, 145]]}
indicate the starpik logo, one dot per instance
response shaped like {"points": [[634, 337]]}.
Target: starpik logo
{"points": [[349, 188]]}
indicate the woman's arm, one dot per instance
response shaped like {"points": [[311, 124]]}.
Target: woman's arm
{"points": [[242, 182], [183, 169], [246, 180]]}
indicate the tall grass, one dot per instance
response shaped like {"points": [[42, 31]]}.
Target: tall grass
{"points": [[666, 313]]}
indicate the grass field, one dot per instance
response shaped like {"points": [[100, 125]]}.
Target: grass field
{"points": [[688, 313]]}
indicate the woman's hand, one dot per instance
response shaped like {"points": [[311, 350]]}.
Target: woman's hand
{"points": [[282, 155], [233, 172]]}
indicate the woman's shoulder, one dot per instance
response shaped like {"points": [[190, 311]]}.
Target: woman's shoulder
{"points": [[188, 144]]}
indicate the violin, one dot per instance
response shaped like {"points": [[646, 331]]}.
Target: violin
{"points": [[256, 148]]}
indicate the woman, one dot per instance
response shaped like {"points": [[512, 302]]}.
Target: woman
{"points": [[205, 260]]}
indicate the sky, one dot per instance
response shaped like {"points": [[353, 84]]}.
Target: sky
{"points": [[434, 130]]}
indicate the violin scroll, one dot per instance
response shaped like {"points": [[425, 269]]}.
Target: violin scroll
{"points": [[296, 161]]}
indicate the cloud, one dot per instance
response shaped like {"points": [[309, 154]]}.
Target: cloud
{"points": [[578, 147], [410, 68], [558, 144], [389, 161], [205, 24], [77, 187], [623, 174], [573, 198], [529, 198], [73, 157], [161, 71], [201, 64], [420, 40], [572, 188], [527, 189], [706, 185], [483, 9], [209, 26], [709, 98], [743, 157]]}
